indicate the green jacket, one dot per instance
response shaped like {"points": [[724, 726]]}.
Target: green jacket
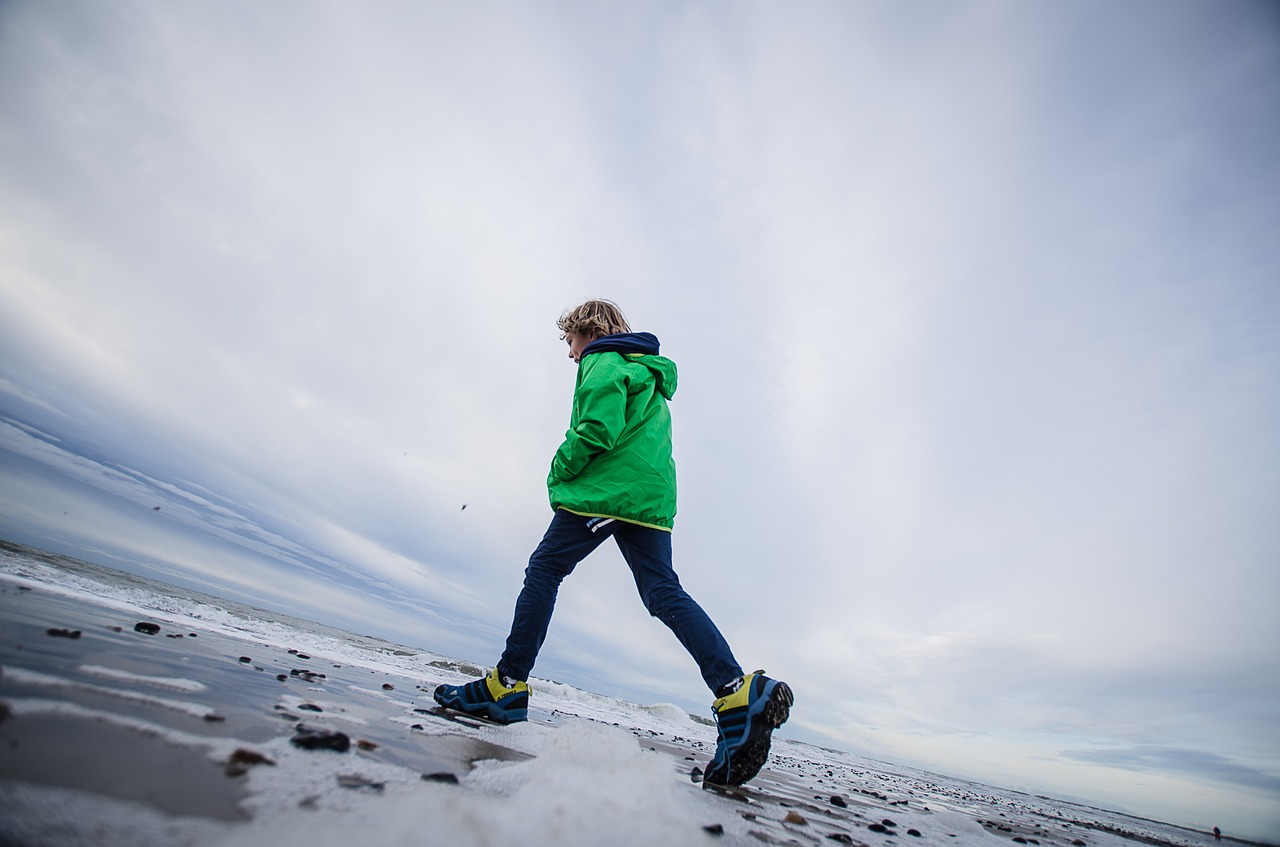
{"points": [[616, 457]]}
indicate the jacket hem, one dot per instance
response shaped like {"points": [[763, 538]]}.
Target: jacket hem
{"points": [[616, 517]]}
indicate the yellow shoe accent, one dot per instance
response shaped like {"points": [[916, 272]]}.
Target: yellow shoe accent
{"points": [[498, 689], [737, 699]]}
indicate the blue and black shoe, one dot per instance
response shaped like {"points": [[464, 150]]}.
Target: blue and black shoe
{"points": [[747, 712], [490, 698]]}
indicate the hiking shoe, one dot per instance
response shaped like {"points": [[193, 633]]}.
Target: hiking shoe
{"points": [[490, 698], [747, 713]]}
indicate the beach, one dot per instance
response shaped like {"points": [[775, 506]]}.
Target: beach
{"points": [[135, 712]]}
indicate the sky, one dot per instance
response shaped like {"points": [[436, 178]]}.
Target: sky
{"points": [[975, 306]]}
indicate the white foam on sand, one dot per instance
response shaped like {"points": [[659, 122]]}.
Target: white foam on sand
{"points": [[590, 784], [167, 682], [22, 676]]}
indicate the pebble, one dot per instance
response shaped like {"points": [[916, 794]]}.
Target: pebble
{"points": [[146, 628], [242, 759], [444, 776], [63, 633], [309, 738], [357, 781]]}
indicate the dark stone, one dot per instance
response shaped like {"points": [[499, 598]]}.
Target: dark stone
{"points": [[796, 818], [244, 660], [875, 827], [63, 633], [356, 781], [1018, 839], [309, 707], [241, 760], [176, 635], [841, 837], [386, 686], [214, 718], [837, 800], [445, 777], [282, 677], [366, 745], [913, 832], [146, 628], [716, 829], [888, 822], [1078, 843], [309, 738]]}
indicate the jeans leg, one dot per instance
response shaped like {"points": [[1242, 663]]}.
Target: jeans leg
{"points": [[566, 543], [648, 554]]}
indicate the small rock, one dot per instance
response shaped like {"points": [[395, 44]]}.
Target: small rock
{"points": [[841, 837], [309, 707], [714, 828], [444, 776], [837, 800], [243, 759], [244, 660], [1018, 839], [63, 633], [1079, 842], [366, 745], [212, 718], [888, 822], [876, 827], [356, 781], [146, 628], [796, 818], [320, 739], [386, 686], [914, 832], [176, 635], [282, 677]]}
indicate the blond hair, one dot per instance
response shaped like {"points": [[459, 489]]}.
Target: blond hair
{"points": [[594, 317]]}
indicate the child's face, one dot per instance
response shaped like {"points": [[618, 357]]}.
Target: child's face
{"points": [[577, 341]]}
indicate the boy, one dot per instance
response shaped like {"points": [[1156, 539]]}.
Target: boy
{"points": [[613, 477]]}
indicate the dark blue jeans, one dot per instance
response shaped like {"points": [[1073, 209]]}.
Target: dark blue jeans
{"points": [[647, 552]]}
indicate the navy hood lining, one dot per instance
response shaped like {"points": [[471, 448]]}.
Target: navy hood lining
{"points": [[624, 342]]}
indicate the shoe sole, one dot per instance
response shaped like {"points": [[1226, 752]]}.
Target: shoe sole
{"points": [[491, 712], [751, 755]]}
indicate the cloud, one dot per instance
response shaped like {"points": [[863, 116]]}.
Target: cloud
{"points": [[1194, 763]]}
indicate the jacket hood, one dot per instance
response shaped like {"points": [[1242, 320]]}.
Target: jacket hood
{"points": [[642, 349], [624, 342]]}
